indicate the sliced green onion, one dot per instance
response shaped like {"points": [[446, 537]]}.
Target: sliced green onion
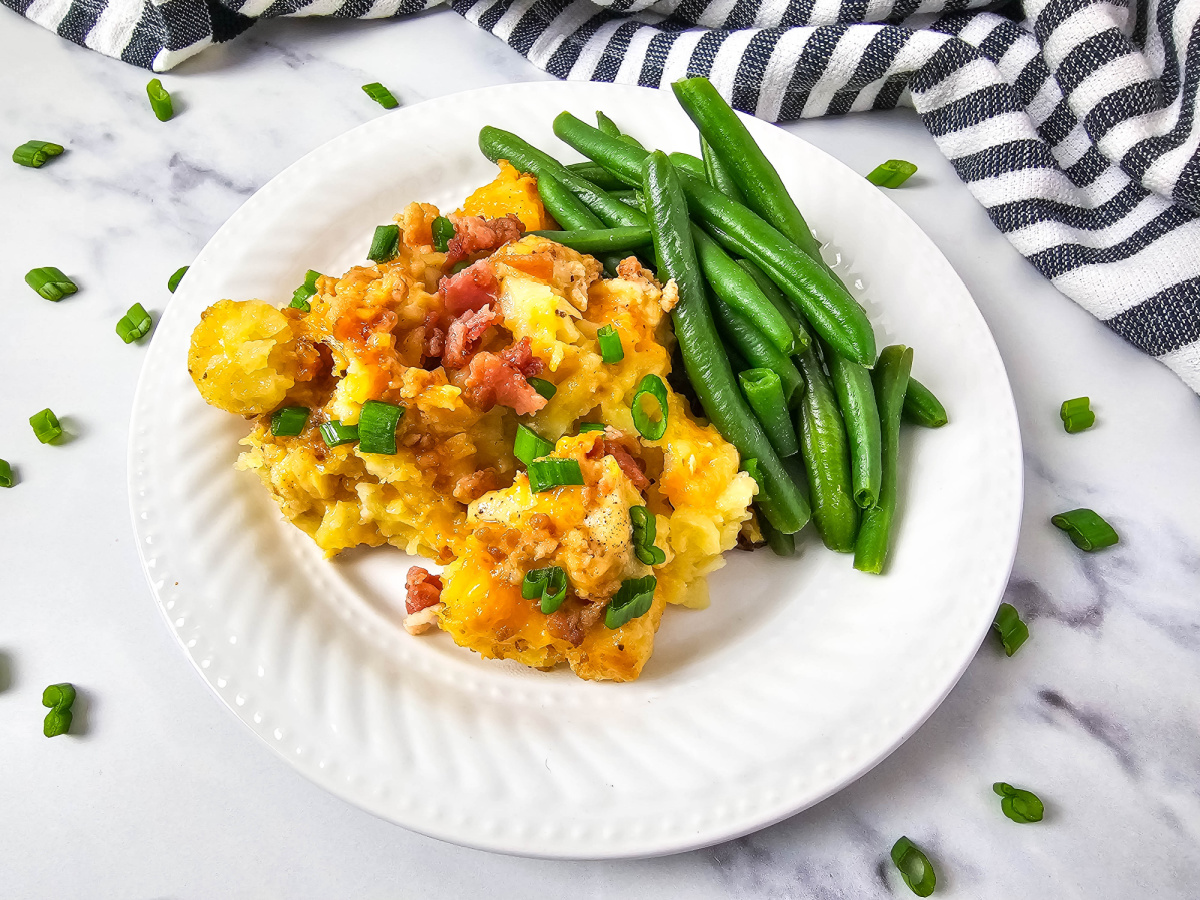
{"points": [[377, 427], [1077, 415], [302, 294], [611, 350], [59, 698], [653, 386], [6, 474], [892, 173], [1086, 529], [50, 282], [634, 599], [289, 421], [160, 100], [1018, 804], [443, 231], [336, 434], [645, 530], [35, 153], [550, 584], [590, 426], [135, 324], [914, 867], [381, 95], [385, 244], [173, 281], [529, 445], [551, 472], [543, 387], [46, 426], [1012, 631]]}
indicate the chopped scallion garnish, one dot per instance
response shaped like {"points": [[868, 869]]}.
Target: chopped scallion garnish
{"points": [[289, 421], [46, 426], [892, 173], [385, 244], [135, 324], [59, 698], [377, 427], [6, 474], [381, 95], [542, 386], [633, 599], [301, 295], [173, 281], [551, 472], [1087, 530], [590, 426], [1018, 804], [35, 153], [651, 386], [443, 232], [1012, 631], [529, 445], [914, 867], [50, 282], [1077, 415], [336, 434], [160, 100], [645, 530], [550, 584], [611, 350]]}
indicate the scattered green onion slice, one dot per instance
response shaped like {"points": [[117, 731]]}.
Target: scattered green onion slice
{"points": [[160, 100], [1018, 804], [173, 281], [443, 231], [459, 266], [6, 474], [551, 472], [611, 350], [50, 282], [529, 445], [336, 434], [635, 597], [1087, 530], [645, 530], [647, 428], [302, 294], [46, 426], [135, 324], [59, 698], [381, 95], [914, 867], [550, 584], [1012, 631], [543, 387], [1077, 415], [590, 426], [35, 153], [377, 427], [289, 421], [385, 244], [892, 173]]}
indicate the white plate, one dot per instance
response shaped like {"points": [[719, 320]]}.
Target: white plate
{"points": [[801, 676]]}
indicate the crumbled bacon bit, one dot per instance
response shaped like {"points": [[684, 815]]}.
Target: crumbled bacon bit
{"points": [[435, 334], [565, 625], [422, 620], [520, 357], [473, 486], [424, 590], [634, 468], [631, 269], [473, 288], [475, 233], [464, 335], [491, 379]]}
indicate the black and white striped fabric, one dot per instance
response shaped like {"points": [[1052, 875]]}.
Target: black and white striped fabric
{"points": [[1072, 122]]}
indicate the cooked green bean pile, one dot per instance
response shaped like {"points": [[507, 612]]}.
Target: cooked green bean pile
{"points": [[778, 351]]}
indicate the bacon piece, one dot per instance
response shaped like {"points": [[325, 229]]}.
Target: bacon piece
{"points": [[424, 590], [473, 486], [435, 334], [491, 380], [464, 335], [520, 357], [475, 233], [633, 467], [471, 289], [565, 625]]}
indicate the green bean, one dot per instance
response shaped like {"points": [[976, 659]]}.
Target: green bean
{"points": [[597, 175], [718, 174], [706, 366], [819, 295], [633, 198], [891, 382], [856, 399], [607, 125], [733, 285], [565, 206], [921, 407], [781, 544], [826, 455], [693, 165], [740, 334], [600, 240], [803, 340], [764, 393]]}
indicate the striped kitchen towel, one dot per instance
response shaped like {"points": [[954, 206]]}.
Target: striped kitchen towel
{"points": [[1072, 121]]}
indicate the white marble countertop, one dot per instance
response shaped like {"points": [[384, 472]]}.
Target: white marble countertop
{"points": [[165, 794]]}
